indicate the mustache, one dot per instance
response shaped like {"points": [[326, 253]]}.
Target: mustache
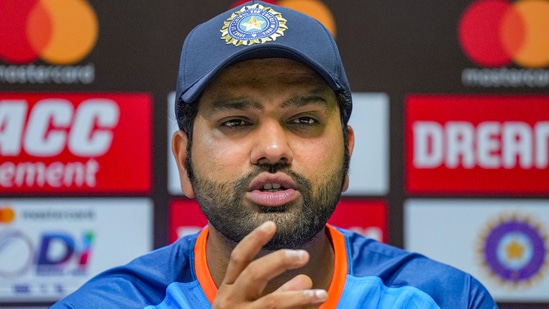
{"points": [[272, 167]]}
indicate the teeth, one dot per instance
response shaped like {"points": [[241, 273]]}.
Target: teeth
{"points": [[270, 186]]}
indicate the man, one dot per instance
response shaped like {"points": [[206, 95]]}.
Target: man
{"points": [[263, 104]]}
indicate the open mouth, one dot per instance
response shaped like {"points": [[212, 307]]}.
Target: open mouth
{"points": [[272, 187], [272, 190]]}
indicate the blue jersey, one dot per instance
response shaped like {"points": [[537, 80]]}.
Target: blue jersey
{"points": [[367, 274]]}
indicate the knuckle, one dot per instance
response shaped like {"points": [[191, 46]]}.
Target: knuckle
{"points": [[252, 273], [269, 301], [237, 257]]}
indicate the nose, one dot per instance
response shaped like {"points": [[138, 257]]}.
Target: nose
{"points": [[271, 145]]}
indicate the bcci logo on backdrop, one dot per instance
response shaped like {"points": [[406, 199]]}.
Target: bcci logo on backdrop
{"points": [[58, 32], [515, 250], [495, 34]]}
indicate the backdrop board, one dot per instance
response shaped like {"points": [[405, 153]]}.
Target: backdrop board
{"points": [[452, 119]]}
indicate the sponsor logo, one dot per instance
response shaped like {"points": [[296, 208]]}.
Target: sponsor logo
{"points": [[55, 142], [488, 144], [58, 32], [502, 242], [57, 249], [16, 253], [483, 144], [314, 8], [58, 253], [514, 250], [52, 246], [7, 215], [47, 214], [498, 33]]}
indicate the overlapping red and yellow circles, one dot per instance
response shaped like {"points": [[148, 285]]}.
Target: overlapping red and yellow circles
{"points": [[56, 31], [495, 33]]}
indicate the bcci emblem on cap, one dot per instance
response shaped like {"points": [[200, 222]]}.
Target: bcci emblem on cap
{"points": [[253, 24]]}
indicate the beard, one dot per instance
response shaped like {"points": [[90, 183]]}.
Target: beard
{"points": [[297, 222]]}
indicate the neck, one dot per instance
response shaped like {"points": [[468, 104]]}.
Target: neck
{"points": [[218, 251]]}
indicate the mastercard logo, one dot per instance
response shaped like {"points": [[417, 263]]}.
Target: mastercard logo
{"points": [[59, 32], [495, 33], [313, 8], [6, 215]]}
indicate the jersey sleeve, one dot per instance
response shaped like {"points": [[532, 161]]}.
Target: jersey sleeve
{"points": [[479, 297]]}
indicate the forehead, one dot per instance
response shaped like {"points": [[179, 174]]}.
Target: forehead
{"points": [[265, 72]]}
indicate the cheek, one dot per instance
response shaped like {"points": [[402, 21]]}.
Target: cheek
{"points": [[318, 158], [217, 159]]}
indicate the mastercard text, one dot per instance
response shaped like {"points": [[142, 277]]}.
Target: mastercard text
{"points": [[47, 74]]}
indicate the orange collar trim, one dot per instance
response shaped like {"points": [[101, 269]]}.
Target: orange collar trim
{"points": [[201, 266], [336, 286], [340, 268]]}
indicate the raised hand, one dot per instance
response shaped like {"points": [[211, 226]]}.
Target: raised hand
{"points": [[246, 278]]}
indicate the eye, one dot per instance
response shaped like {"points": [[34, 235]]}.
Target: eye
{"points": [[234, 123], [304, 120]]}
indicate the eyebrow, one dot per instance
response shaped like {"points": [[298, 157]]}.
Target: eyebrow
{"points": [[315, 96], [233, 104]]}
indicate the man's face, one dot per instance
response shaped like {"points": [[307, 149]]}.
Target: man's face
{"points": [[268, 145]]}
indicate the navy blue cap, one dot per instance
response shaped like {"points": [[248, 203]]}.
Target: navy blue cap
{"points": [[257, 30]]}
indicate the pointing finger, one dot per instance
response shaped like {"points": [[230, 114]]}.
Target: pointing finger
{"points": [[244, 253]]}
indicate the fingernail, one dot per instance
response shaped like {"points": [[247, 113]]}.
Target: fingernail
{"points": [[318, 294], [297, 254], [321, 294], [266, 226]]}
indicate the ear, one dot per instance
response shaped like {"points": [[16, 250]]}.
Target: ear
{"points": [[179, 150], [351, 147]]}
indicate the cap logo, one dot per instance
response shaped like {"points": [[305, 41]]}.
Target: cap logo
{"points": [[253, 24]]}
